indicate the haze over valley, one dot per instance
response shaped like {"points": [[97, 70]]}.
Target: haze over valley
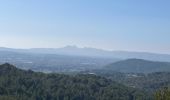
{"points": [[84, 50], [74, 59]]}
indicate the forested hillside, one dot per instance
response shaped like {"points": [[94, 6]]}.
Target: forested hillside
{"points": [[149, 82], [16, 84], [138, 66]]}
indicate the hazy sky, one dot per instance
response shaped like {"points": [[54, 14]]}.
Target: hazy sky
{"points": [[134, 25]]}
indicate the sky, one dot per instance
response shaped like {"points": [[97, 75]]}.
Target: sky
{"points": [[130, 25]]}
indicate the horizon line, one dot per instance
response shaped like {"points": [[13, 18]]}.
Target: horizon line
{"points": [[85, 47]]}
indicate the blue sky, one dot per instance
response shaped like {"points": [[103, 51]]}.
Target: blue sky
{"points": [[133, 25]]}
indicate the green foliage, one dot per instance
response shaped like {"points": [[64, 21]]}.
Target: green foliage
{"points": [[147, 82], [16, 84], [163, 94]]}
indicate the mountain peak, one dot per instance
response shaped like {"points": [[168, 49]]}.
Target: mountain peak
{"points": [[71, 46]]}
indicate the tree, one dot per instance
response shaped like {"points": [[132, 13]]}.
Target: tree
{"points": [[163, 94]]}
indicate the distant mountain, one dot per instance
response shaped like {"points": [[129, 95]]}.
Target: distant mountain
{"points": [[93, 52], [138, 66]]}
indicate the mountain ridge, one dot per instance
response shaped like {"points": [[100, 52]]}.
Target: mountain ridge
{"points": [[93, 52], [138, 66]]}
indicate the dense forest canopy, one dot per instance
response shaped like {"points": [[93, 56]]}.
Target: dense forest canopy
{"points": [[28, 85]]}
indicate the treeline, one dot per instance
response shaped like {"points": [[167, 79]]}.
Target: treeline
{"points": [[16, 84], [150, 82]]}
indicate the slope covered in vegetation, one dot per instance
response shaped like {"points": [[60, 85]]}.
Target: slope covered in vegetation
{"points": [[28, 85], [138, 66]]}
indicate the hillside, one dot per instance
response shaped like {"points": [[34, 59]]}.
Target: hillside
{"points": [[16, 84], [149, 82], [138, 66]]}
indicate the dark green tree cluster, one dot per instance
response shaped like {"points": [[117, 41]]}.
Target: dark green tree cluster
{"points": [[163, 94], [16, 84], [150, 82]]}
